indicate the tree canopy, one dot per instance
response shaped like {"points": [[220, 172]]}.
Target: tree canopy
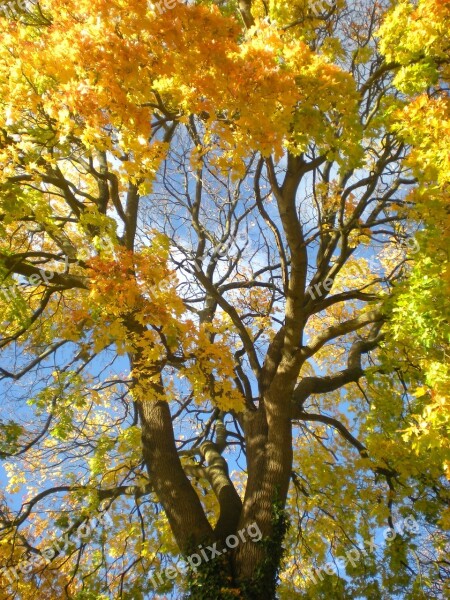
{"points": [[224, 262]]}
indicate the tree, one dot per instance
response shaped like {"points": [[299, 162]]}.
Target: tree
{"points": [[225, 298]]}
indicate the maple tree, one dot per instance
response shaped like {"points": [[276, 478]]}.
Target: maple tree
{"points": [[224, 300]]}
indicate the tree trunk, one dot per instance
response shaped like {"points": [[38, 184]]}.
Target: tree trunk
{"points": [[250, 570]]}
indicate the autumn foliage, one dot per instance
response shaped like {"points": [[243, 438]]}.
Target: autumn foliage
{"points": [[224, 262]]}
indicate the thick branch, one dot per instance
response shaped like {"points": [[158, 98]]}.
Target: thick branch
{"points": [[326, 384], [28, 270], [331, 333], [305, 416], [245, 8], [224, 490]]}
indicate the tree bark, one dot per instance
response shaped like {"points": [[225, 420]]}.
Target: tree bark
{"points": [[183, 508]]}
